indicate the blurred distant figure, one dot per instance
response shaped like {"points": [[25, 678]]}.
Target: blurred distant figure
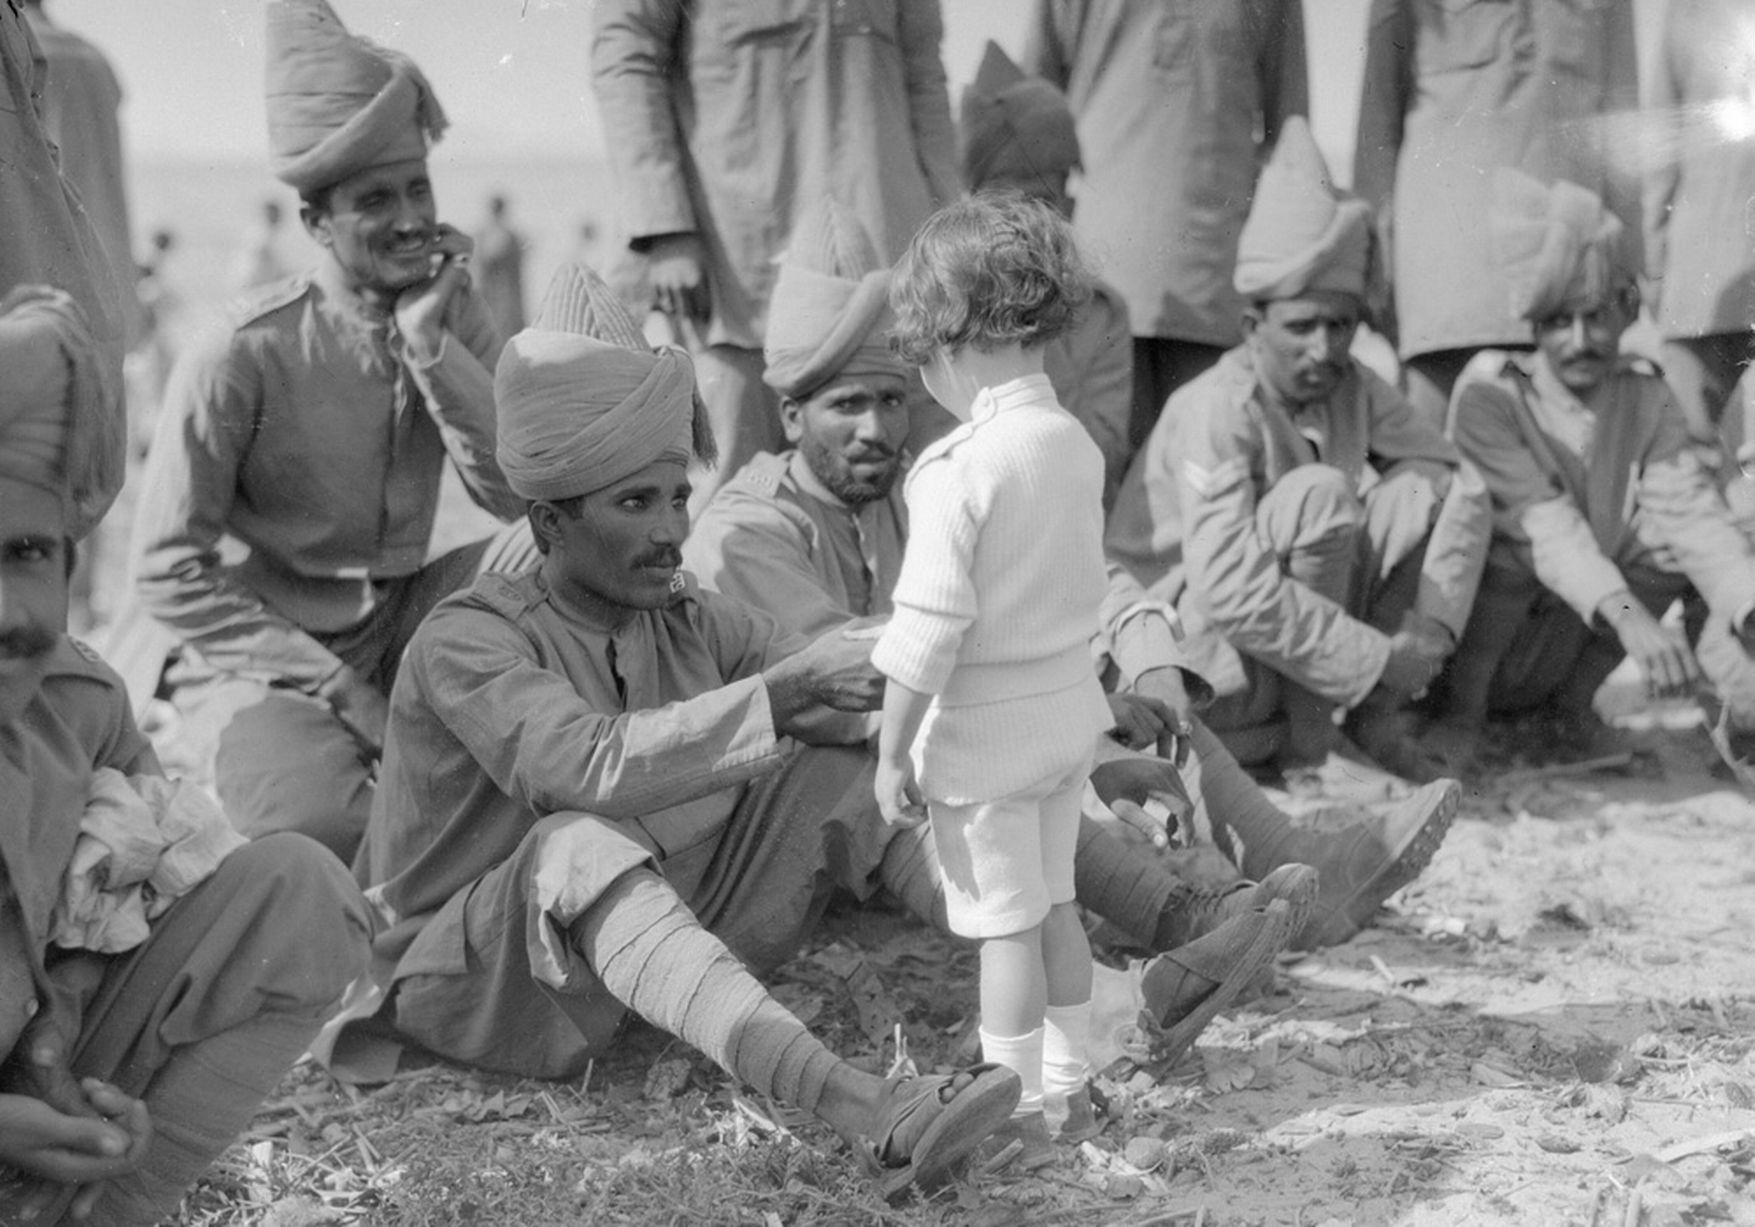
{"points": [[1452, 91], [47, 239], [149, 361], [499, 268], [81, 101], [724, 120], [259, 260], [1700, 245], [1157, 89]]}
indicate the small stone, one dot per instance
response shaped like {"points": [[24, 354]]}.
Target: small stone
{"points": [[1123, 1184], [1144, 1153]]}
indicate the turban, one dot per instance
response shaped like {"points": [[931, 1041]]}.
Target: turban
{"points": [[338, 103], [583, 402], [1302, 235], [830, 308], [53, 398], [1558, 246], [1014, 125]]}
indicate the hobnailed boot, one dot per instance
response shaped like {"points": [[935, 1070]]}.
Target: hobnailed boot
{"points": [[1366, 863], [1184, 988], [1193, 913]]}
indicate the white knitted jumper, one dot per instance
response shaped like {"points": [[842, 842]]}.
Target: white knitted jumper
{"points": [[997, 603]]}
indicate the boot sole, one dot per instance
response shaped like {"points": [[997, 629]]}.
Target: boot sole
{"points": [[1406, 862]]}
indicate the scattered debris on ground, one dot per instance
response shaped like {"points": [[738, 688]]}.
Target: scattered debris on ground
{"points": [[1556, 1024]]}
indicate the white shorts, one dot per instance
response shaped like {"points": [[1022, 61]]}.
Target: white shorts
{"points": [[1006, 861]]}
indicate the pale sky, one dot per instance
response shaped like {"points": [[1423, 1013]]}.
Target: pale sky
{"points": [[512, 74]]}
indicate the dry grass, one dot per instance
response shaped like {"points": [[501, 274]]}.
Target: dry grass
{"points": [[1553, 1026]]}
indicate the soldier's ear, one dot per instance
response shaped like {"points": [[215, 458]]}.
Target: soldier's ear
{"points": [[792, 418], [544, 520]]}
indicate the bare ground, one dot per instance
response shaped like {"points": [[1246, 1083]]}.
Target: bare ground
{"points": [[1555, 1025]]}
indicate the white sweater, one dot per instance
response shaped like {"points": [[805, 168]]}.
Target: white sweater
{"points": [[998, 599]]}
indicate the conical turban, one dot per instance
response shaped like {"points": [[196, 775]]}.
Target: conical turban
{"points": [[1014, 125], [831, 305], [1558, 245], [52, 398], [1301, 234], [338, 103]]}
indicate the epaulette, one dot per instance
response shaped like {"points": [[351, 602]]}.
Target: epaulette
{"points": [[253, 304], [76, 658], [510, 596], [762, 474]]}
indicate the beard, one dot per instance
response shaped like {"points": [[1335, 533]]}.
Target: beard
{"points": [[835, 472]]}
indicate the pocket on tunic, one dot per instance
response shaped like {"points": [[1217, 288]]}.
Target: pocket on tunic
{"points": [[1457, 35], [865, 19], [729, 23], [1205, 37]]}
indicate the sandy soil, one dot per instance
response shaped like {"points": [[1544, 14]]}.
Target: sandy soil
{"points": [[1555, 1025]]}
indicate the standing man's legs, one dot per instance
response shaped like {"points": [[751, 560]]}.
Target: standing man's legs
{"points": [[1161, 365], [744, 413], [1427, 381]]}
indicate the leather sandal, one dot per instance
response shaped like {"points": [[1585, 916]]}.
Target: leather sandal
{"points": [[930, 1127], [1229, 958]]}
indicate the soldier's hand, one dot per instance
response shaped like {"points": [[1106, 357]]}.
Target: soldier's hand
{"points": [[1165, 687], [832, 670], [676, 265], [421, 310], [1417, 651], [1129, 783], [1663, 654]]}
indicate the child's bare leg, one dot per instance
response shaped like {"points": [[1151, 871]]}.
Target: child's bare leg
{"points": [[1066, 956], [1014, 995]]}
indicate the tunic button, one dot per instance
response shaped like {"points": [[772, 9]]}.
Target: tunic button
{"points": [[30, 1008]]}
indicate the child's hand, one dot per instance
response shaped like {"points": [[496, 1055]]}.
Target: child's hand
{"points": [[898, 796]]}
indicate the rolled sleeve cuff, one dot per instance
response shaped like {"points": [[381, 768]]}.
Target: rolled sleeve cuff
{"points": [[1146, 635], [1587, 592], [917, 650]]}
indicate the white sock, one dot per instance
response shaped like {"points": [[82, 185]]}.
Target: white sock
{"points": [[1066, 1034], [1022, 1054]]}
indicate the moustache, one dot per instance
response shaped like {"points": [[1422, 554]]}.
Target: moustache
{"points": [[424, 234], [871, 455], [667, 557], [26, 643]]}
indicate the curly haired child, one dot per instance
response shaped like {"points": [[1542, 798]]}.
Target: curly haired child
{"points": [[992, 709]]}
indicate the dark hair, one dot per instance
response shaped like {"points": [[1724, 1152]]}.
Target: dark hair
{"points": [[995, 269], [317, 199], [572, 507]]}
